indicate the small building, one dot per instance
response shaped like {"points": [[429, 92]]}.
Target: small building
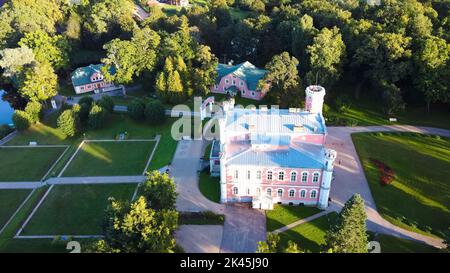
{"points": [[268, 156], [180, 3], [242, 78], [90, 79]]}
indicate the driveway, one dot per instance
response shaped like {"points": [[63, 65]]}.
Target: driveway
{"points": [[350, 177], [200, 238]]}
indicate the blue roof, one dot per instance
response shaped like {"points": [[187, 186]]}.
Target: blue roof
{"points": [[303, 156], [82, 75], [245, 71]]}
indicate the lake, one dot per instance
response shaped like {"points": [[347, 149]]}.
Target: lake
{"points": [[6, 111]]}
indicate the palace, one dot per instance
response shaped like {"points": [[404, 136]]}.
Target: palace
{"points": [[268, 156], [90, 78]]}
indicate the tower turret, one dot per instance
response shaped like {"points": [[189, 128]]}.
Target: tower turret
{"points": [[327, 177], [314, 98]]}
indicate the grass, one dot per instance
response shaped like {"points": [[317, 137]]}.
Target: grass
{"points": [[10, 200], [392, 244], [418, 197], [309, 236], [76, 209], [282, 215], [110, 158], [209, 186], [201, 218], [27, 164]]}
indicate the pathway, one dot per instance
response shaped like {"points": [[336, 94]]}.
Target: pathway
{"points": [[350, 177], [302, 221]]}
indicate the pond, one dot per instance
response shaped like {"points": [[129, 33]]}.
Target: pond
{"points": [[6, 111]]}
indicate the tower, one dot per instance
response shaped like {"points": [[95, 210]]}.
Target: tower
{"points": [[314, 98], [330, 156]]}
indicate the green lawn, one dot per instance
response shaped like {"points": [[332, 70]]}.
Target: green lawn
{"points": [[76, 209], [27, 164], [210, 186], [110, 158], [10, 200], [391, 244], [39, 246], [309, 236], [418, 199], [282, 215]]}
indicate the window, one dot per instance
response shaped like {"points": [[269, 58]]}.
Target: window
{"points": [[315, 177], [302, 193], [269, 175], [248, 191], [236, 174], [269, 192], [241, 83], [293, 176], [248, 175], [227, 81], [313, 194], [234, 82], [258, 174], [281, 176], [291, 193], [280, 192], [304, 177], [253, 93], [215, 86], [235, 191], [243, 92]]}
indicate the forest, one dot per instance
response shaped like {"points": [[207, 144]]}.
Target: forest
{"points": [[395, 51]]}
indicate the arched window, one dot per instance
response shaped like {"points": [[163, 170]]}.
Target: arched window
{"points": [[258, 174], [281, 176], [269, 192], [248, 175], [291, 193], [313, 194], [248, 191], [304, 177], [235, 191], [280, 192], [236, 174], [293, 176], [269, 175], [316, 177], [302, 193]]}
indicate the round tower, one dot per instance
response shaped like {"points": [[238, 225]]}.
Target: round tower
{"points": [[314, 98], [327, 177]]}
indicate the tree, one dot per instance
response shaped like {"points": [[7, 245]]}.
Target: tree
{"points": [[39, 83], [292, 248], [136, 109], [53, 50], [67, 123], [154, 112], [136, 228], [159, 191], [107, 103], [204, 71], [168, 83], [392, 98], [284, 80], [302, 37], [97, 116], [21, 120], [271, 245], [348, 235], [14, 61], [326, 57], [33, 109]]}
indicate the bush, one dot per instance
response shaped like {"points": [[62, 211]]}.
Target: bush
{"points": [[5, 130], [351, 122], [86, 100], [107, 103], [96, 117], [136, 109], [83, 112], [67, 123], [21, 120], [155, 113], [33, 109], [343, 103]]}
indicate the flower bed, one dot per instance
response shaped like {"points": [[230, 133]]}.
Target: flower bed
{"points": [[387, 174]]}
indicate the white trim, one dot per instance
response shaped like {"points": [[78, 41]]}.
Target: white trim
{"points": [[296, 176], [278, 175], [267, 175], [289, 192], [318, 177], [282, 192], [271, 191], [300, 193], [235, 191], [307, 176], [311, 193]]}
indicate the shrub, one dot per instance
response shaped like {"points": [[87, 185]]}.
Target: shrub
{"points": [[136, 109], [351, 122], [5, 130], [387, 174], [67, 123], [21, 120], [96, 117], [343, 103], [86, 100], [155, 113], [33, 109], [107, 103], [83, 112]]}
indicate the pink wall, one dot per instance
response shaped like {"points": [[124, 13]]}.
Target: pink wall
{"points": [[258, 95], [315, 139]]}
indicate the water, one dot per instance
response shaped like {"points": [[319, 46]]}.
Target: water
{"points": [[6, 111]]}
